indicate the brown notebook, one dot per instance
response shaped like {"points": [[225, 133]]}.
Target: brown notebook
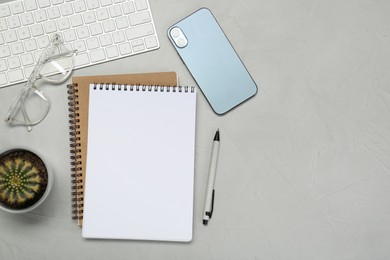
{"points": [[78, 93]]}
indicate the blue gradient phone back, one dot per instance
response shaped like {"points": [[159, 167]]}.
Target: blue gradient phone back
{"points": [[213, 62]]}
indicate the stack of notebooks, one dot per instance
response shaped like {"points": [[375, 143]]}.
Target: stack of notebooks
{"points": [[132, 151]]}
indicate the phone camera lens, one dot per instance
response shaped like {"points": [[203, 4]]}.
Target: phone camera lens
{"points": [[181, 42], [175, 32]]}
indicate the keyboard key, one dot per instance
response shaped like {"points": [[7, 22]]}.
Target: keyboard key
{"points": [[109, 26], [105, 40], [119, 1], [115, 11], [1, 39], [82, 32], [3, 25], [81, 59], [137, 42], [43, 41], [141, 5], [92, 4], [139, 31], [93, 43], [36, 30], [50, 27], [43, 3], [138, 45], [63, 23], [139, 18], [102, 14], [118, 36], [4, 11], [121, 22], [3, 79], [17, 48], [128, 8], [95, 29], [30, 5], [17, 7], [27, 59], [151, 42], [15, 75], [13, 22], [105, 2], [27, 19], [24, 33], [70, 35], [28, 70], [79, 46], [125, 48], [30, 45], [3, 65], [40, 16], [13, 62], [76, 20], [53, 12], [97, 55], [112, 52], [68, 46], [79, 6], [89, 17], [10, 36], [66, 9]]}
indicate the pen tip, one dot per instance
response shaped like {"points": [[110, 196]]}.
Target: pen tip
{"points": [[216, 137], [205, 221]]}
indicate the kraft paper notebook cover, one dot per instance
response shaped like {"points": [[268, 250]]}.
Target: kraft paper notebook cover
{"points": [[140, 163], [78, 112]]}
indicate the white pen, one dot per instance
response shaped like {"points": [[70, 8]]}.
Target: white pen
{"points": [[210, 193]]}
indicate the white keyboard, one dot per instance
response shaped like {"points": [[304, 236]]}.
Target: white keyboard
{"points": [[100, 30]]}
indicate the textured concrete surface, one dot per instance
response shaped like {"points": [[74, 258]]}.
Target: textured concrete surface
{"points": [[304, 166]]}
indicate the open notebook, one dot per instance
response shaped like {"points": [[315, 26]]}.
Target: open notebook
{"points": [[140, 162]]}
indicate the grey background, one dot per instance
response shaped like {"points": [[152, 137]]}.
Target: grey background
{"points": [[304, 166]]}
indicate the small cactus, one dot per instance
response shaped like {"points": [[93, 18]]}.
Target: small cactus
{"points": [[23, 179]]}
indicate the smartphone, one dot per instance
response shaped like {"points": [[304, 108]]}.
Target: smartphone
{"points": [[212, 61]]}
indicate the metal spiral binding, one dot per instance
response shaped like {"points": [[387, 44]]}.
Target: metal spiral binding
{"points": [[75, 158], [143, 88]]}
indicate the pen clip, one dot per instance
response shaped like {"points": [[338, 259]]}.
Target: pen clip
{"points": [[209, 213]]}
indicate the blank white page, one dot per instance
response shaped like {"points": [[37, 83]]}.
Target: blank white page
{"points": [[140, 164]]}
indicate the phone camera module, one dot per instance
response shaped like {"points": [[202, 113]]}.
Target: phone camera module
{"points": [[178, 37]]}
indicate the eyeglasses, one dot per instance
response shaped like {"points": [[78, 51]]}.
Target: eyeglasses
{"points": [[30, 106]]}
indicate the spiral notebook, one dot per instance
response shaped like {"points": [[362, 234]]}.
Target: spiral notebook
{"points": [[140, 163], [78, 97]]}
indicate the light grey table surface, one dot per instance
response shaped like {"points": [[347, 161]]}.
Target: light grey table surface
{"points": [[304, 166]]}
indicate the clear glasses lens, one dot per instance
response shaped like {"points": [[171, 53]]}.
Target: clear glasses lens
{"points": [[58, 65], [29, 107]]}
